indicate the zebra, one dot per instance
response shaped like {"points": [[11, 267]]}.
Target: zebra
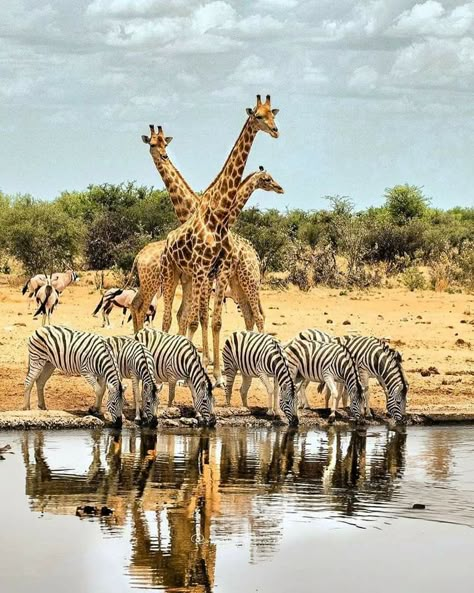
{"points": [[329, 363], [47, 298], [176, 358], [74, 353], [374, 358], [136, 362], [260, 355]]}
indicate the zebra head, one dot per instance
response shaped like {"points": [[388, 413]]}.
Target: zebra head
{"points": [[288, 402], [395, 384], [115, 403], [150, 401], [203, 402], [357, 400]]}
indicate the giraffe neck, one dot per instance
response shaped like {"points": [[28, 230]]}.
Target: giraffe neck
{"points": [[246, 189], [183, 198], [220, 195]]}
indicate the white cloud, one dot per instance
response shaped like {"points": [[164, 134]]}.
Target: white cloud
{"points": [[214, 15], [444, 63], [363, 79], [431, 18], [253, 70]]}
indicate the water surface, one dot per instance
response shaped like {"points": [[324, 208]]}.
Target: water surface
{"points": [[241, 510]]}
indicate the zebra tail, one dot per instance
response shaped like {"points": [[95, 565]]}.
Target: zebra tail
{"points": [[25, 288], [97, 309]]}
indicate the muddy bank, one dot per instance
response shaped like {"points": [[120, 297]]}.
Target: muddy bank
{"points": [[182, 416]]}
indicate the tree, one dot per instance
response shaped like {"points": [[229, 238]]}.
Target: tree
{"points": [[405, 203], [41, 235]]}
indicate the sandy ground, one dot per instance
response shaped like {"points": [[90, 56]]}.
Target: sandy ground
{"points": [[434, 331]]}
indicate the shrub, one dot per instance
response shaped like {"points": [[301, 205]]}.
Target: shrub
{"points": [[413, 279]]}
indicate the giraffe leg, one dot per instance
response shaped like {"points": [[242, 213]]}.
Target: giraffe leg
{"points": [[241, 299], [217, 326], [204, 320], [169, 282], [183, 310], [198, 284]]}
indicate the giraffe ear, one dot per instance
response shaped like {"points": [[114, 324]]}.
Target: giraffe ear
{"points": [[249, 111], [146, 140], [275, 111], [168, 139]]}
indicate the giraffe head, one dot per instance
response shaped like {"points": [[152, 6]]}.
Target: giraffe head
{"points": [[266, 182], [158, 141], [263, 116]]}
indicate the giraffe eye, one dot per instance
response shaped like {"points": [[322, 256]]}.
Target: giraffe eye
{"points": [[259, 116]]}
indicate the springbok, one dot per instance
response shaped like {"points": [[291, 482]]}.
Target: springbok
{"points": [[47, 297], [121, 298]]}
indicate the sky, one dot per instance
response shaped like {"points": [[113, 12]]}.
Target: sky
{"points": [[370, 93]]}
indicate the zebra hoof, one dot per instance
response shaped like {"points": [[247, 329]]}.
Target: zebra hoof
{"points": [[332, 418]]}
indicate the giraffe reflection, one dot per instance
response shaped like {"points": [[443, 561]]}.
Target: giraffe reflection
{"points": [[176, 496]]}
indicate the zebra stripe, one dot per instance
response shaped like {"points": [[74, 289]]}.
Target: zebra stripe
{"points": [[329, 363], [260, 355], [74, 353], [176, 358], [374, 358], [137, 363]]}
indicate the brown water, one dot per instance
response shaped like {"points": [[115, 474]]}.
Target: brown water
{"points": [[236, 510]]}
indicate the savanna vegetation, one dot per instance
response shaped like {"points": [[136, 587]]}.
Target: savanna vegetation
{"points": [[106, 225]]}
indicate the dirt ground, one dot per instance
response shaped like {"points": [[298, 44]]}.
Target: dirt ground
{"points": [[434, 331]]}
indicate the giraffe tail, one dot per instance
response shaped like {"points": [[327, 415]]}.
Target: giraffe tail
{"points": [[131, 274]]}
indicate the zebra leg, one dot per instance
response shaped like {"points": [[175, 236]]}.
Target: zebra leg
{"points": [[302, 397], [244, 389], [171, 391], [268, 386], [98, 385], [46, 373], [332, 386], [136, 397], [34, 371], [364, 379], [229, 383]]}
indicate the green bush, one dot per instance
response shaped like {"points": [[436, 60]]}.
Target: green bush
{"points": [[413, 279]]}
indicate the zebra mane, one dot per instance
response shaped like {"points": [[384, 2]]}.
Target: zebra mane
{"points": [[280, 347], [110, 351], [351, 358], [145, 357]]}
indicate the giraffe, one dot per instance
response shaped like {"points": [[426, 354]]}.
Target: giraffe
{"points": [[147, 263], [247, 282], [199, 246]]}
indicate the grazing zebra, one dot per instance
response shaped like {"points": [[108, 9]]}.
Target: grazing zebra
{"points": [[329, 363], [136, 362], [176, 358], [260, 355], [374, 358], [121, 298], [47, 298], [74, 353]]}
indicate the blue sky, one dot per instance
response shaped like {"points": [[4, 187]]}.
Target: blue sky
{"points": [[370, 94]]}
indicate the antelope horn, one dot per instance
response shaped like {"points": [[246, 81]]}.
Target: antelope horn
{"points": [[259, 100]]}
